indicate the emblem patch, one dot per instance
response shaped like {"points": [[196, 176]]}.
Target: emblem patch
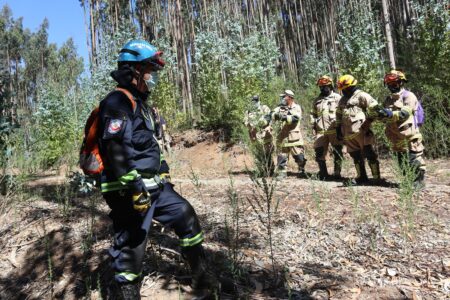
{"points": [[115, 125]]}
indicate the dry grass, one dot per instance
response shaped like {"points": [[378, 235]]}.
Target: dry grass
{"points": [[330, 241]]}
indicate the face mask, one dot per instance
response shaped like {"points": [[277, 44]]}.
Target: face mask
{"points": [[152, 82], [325, 90], [394, 89], [283, 101], [256, 104], [348, 92]]}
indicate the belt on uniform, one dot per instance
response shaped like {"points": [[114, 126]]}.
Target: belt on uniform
{"points": [[327, 132], [151, 183], [154, 183]]}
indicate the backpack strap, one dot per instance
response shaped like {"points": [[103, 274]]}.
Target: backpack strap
{"points": [[129, 96]]}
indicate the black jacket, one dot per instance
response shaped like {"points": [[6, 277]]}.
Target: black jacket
{"points": [[128, 144]]}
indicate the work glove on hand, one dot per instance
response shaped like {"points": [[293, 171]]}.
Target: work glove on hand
{"points": [[403, 115], [141, 201], [277, 116], [339, 135], [141, 197], [267, 120], [384, 113]]}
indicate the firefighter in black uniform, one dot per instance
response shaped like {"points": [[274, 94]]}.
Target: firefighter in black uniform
{"points": [[135, 180]]}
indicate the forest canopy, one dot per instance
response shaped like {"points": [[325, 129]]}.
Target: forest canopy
{"points": [[218, 54]]}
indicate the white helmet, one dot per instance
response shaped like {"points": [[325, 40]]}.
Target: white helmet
{"points": [[288, 93]]}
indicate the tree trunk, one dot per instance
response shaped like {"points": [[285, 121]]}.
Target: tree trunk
{"points": [[93, 30], [390, 43], [86, 28]]}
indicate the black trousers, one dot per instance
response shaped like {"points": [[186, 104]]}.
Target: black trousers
{"points": [[130, 235]]}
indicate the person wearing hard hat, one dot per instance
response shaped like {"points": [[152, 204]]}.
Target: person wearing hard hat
{"points": [[260, 133], [323, 122], [289, 139], [403, 115], [135, 182], [354, 116]]}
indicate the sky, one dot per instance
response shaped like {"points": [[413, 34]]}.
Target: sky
{"points": [[65, 20]]}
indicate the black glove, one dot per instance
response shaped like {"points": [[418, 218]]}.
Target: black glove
{"points": [[339, 135], [277, 116], [283, 118]]}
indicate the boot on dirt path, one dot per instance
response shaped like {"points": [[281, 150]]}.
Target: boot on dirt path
{"points": [[323, 172], [204, 282], [130, 291]]}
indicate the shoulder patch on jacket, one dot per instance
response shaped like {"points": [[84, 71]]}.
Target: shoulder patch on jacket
{"points": [[115, 125], [114, 128]]}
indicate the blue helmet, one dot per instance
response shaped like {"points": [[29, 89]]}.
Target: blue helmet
{"points": [[140, 51]]}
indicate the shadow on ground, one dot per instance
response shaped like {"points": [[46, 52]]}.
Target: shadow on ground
{"points": [[68, 262]]}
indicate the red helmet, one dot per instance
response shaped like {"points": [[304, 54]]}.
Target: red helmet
{"points": [[324, 80], [394, 77]]}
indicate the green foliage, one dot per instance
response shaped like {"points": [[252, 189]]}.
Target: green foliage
{"points": [[360, 41], [56, 124], [229, 70], [313, 65], [166, 96], [96, 86], [425, 59], [44, 79], [225, 71]]}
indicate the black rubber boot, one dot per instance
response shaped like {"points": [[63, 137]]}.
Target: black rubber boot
{"points": [[204, 282], [360, 167], [301, 162], [419, 181], [323, 172], [337, 157], [362, 174], [375, 169], [130, 291], [374, 164], [281, 170]]}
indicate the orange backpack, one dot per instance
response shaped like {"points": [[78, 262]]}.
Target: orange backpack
{"points": [[91, 161]]}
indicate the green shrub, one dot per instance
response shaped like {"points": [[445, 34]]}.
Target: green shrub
{"points": [[229, 71], [55, 123], [424, 56]]}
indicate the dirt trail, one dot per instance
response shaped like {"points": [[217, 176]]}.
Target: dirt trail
{"points": [[330, 241]]}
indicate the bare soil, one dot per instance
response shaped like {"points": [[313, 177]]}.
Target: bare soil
{"points": [[330, 241]]}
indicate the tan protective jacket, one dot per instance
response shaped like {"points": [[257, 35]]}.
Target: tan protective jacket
{"points": [[323, 114], [399, 130], [257, 126], [352, 113], [290, 133]]}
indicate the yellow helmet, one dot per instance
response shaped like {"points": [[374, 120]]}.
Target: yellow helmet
{"points": [[346, 81], [394, 76], [325, 80]]}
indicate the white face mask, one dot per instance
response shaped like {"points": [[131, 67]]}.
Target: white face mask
{"points": [[152, 81], [256, 104]]}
